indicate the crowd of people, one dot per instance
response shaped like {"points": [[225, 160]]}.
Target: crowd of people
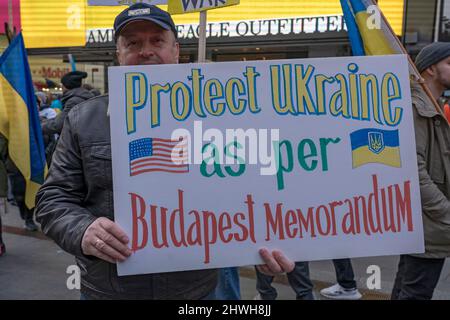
{"points": [[75, 209], [52, 111]]}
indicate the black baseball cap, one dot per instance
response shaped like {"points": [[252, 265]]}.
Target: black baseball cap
{"points": [[73, 79], [144, 11]]}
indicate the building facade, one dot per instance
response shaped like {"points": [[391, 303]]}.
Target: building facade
{"points": [[253, 30]]}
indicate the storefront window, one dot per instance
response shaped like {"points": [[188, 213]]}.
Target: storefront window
{"points": [[445, 21]]}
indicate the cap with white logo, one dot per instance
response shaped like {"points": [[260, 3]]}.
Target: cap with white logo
{"points": [[144, 11]]}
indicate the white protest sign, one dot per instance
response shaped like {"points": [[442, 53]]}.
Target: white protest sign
{"points": [[123, 2], [315, 157], [186, 6]]}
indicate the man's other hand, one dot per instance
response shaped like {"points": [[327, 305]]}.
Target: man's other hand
{"points": [[275, 262]]}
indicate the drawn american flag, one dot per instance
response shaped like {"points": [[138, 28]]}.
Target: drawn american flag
{"points": [[155, 154]]}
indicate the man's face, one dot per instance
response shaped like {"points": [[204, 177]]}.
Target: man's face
{"points": [[442, 74], [144, 42]]}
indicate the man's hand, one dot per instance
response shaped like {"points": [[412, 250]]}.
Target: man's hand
{"points": [[275, 262], [105, 240]]}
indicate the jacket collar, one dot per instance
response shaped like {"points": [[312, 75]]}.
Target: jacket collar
{"points": [[422, 102]]}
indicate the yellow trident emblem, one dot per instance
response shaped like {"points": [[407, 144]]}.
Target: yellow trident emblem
{"points": [[376, 142]]}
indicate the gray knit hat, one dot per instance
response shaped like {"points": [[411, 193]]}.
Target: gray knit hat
{"points": [[432, 54]]}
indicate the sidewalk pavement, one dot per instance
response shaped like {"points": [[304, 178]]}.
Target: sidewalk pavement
{"points": [[34, 267]]}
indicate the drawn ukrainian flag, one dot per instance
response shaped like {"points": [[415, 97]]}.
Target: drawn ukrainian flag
{"points": [[19, 119], [375, 146]]}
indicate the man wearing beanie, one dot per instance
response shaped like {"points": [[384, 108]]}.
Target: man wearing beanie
{"points": [[418, 275], [73, 94], [75, 204]]}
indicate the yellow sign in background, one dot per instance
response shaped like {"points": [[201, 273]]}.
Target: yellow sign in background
{"points": [[61, 23]]}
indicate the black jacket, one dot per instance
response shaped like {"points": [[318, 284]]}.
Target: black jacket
{"points": [[78, 190], [69, 99]]}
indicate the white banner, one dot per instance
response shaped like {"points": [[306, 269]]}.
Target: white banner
{"points": [[314, 156]]}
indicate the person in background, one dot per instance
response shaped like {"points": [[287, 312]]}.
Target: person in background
{"points": [[45, 111], [73, 94], [345, 288], [91, 89], [18, 188], [3, 186], [56, 103], [418, 274], [228, 285], [298, 279], [9, 172], [447, 111]]}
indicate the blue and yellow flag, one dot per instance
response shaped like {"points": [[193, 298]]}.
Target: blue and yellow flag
{"points": [[19, 118], [365, 38], [375, 146]]}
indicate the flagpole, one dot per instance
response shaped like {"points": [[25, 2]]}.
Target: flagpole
{"points": [[10, 13], [10, 25], [202, 37], [72, 62], [417, 75]]}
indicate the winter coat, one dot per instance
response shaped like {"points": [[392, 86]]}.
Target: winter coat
{"points": [[432, 133], [78, 190], [69, 99]]}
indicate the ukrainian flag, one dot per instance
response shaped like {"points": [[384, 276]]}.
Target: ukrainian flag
{"points": [[364, 39], [19, 119], [375, 146]]}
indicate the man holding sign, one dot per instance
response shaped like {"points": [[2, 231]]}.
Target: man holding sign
{"points": [[75, 205]]}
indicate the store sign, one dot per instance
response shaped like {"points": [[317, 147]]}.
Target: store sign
{"points": [[245, 28], [123, 2], [266, 27], [213, 161], [49, 72], [186, 6], [44, 68], [99, 36], [73, 21]]}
